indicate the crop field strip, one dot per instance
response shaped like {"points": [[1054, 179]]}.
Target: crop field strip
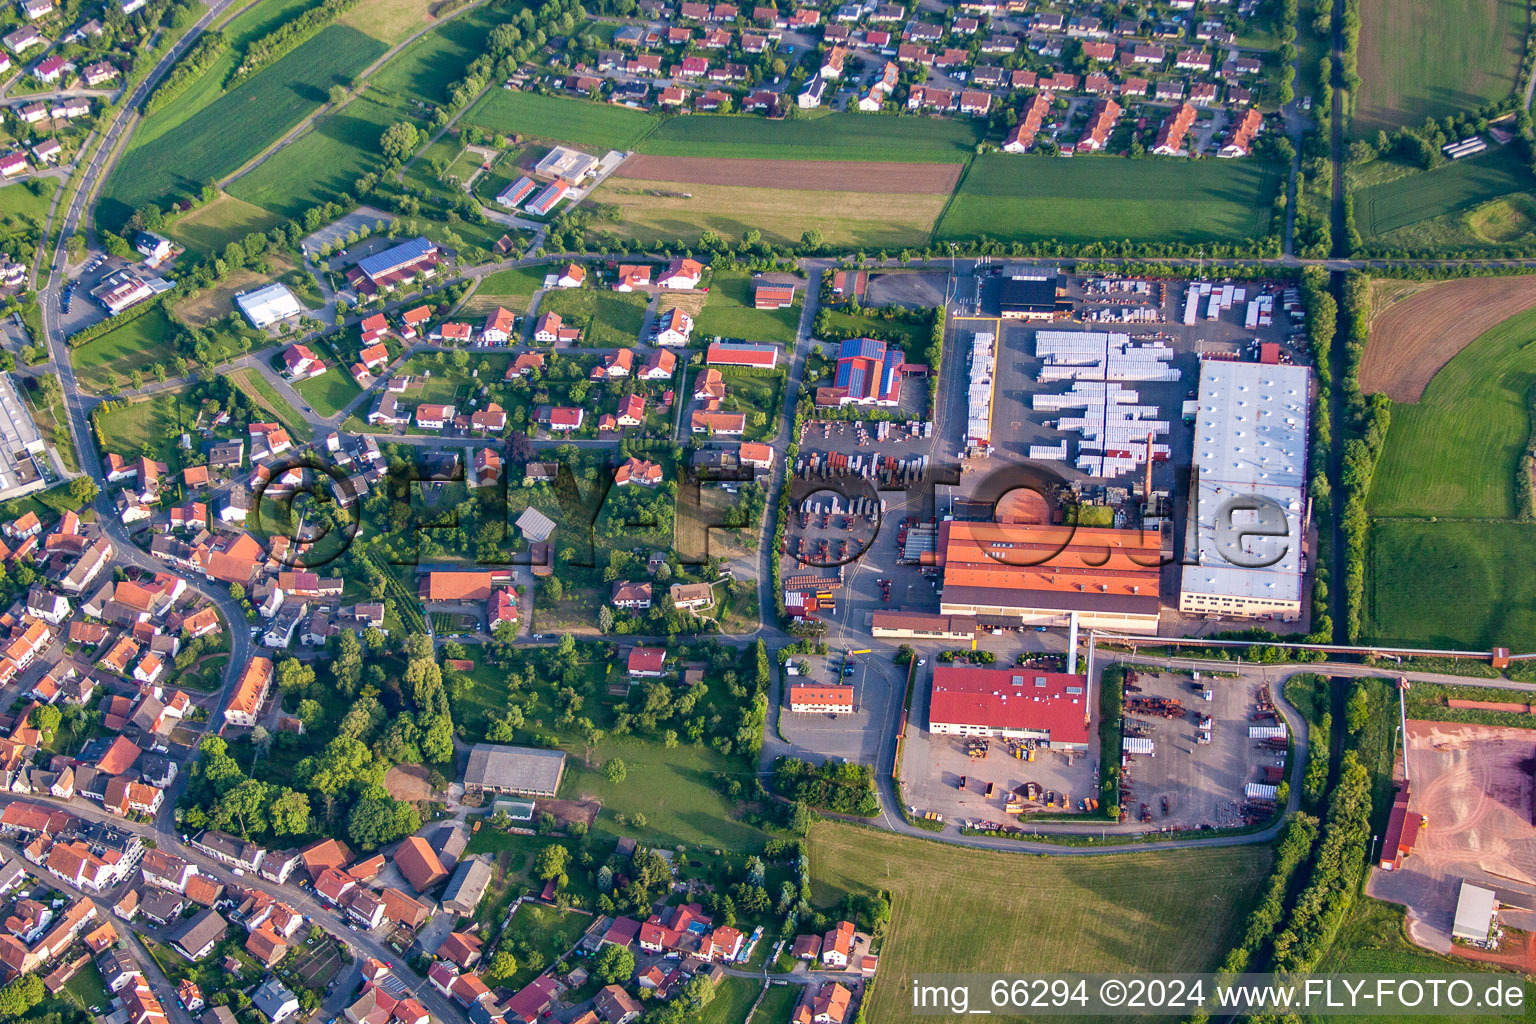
{"points": [[957, 910], [1090, 199], [1430, 58], [233, 128], [833, 137], [598, 126], [1451, 188], [341, 147]]}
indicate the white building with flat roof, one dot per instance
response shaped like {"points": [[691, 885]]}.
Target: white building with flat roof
{"points": [[1476, 910], [268, 304], [1250, 454], [22, 449], [564, 162]]}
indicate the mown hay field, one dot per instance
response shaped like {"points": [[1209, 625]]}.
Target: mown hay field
{"points": [[1429, 58], [669, 210], [1098, 199], [960, 910]]}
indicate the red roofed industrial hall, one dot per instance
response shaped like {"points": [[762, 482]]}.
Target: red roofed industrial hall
{"points": [[1014, 703]]}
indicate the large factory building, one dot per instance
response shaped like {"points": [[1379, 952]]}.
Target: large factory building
{"points": [[1032, 575], [1014, 703], [1250, 454]]}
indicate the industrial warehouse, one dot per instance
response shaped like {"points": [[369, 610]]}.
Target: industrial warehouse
{"points": [[1249, 474], [1050, 708], [1040, 575]]}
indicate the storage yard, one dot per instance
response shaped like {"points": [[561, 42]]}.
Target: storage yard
{"points": [[1189, 762], [1187, 781]]}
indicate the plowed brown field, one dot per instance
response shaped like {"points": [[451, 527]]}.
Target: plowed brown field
{"points": [[1416, 336], [804, 175]]}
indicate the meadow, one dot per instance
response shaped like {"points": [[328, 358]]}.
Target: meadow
{"points": [[596, 126], [330, 392], [148, 426], [103, 364], [832, 137], [340, 148], [728, 312], [1476, 403], [607, 319], [1147, 911], [238, 125], [265, 396], [1452, 583], [1449, 189], [210, 228], [388, 21], [667, 211], [510, 288], [23, 213], [1429, 58], [425, 69], [1095, 199]]}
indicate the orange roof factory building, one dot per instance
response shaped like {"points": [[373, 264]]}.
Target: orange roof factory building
{"points": [[1039, 575]]}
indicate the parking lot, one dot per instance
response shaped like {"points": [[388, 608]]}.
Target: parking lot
{"points": [[878, 687], [828, 450], [1202, 782], [82, 310]]}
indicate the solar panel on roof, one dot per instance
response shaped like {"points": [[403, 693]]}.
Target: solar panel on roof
{"points": [[395, 256]]}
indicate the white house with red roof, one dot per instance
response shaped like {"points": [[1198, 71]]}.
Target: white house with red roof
{"points": [[683, 273], [301, 363]]}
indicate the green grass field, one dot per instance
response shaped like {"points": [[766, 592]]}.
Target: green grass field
{"points": [[1449, 189], [342, 147], [22, 215], [733, 998], [330, 392], [251, 24], [607, 319], [134, 346], [833, 137], [954, 909], [1429, 58], [236, 126], [150, 426], [227, 219], [597, 126], [1089, 199], [510, 288], [1452, 583], [425, 69], [777, 1005], [728, 312], [1476, 403]]}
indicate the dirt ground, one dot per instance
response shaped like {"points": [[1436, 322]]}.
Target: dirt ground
{"points": [[1417, 335], [1473, 784], [408, 782], [805, 175], [205, 307], [567, 811]]}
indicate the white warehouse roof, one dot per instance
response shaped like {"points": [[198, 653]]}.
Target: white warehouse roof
{"points": [[1250, 439], [269, 304]]}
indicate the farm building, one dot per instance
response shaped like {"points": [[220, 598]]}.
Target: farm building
{"points": [[1015, 703], [1025, 574], [513, 195], [1250, 454], [548, 199], [1402, 832], [768, 295], [520, 771], [267, 305]]}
